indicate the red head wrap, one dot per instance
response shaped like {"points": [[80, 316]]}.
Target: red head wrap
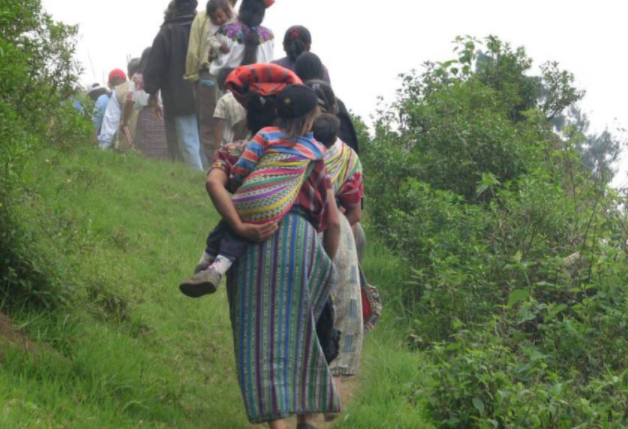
{"points": [[264, 79]]}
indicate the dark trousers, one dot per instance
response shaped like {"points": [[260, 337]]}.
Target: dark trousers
{"points": [[223, 241], [171, 137]]}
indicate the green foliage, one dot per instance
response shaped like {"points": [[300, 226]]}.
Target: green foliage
{"points": [[124, 349], [518, 253], [37, 77]]}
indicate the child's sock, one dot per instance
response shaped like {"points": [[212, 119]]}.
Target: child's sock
{"points": [[221, 264]]}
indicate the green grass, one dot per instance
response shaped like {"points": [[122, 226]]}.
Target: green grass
{"points": [[116, 234]]}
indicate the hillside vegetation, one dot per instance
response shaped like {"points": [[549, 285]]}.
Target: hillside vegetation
{"points": [[499, 249], [111, 339]]}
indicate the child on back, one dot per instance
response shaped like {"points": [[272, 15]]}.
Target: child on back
{"points": [[267, 179]]}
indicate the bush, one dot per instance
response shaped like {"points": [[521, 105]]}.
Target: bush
{"points": [[518, 252], [37, 79]]}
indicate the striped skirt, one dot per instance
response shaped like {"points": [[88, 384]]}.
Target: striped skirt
{"points": [[150, 135], [276, 292]]}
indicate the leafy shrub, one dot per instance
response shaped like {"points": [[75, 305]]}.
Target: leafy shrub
{"points": [[518, 252], [37, 78]]}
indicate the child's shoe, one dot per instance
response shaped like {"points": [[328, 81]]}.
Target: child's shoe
{"points": [[203, 283]]}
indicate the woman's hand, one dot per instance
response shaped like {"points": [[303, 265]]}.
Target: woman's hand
{"points": [[216, 183], [153, 104], [256, 233]]}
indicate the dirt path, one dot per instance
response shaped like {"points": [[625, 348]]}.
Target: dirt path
{"points": [[9, 334]]}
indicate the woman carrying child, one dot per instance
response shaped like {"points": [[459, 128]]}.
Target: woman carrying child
{"points": [[345, 171], [278, 288], [202, 50], [245, 41]]}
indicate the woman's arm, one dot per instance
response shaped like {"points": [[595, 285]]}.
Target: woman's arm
{"points": [[353, 213], [127, 110], [216, 188], [331, 238]]}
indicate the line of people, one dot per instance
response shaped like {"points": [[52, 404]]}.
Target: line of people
{"points": [[290, 242]]}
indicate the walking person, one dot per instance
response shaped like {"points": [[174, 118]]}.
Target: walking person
{"points": [[279, 289], [165, 72], [245, 41], [202, 49], [309, 67], [110, 136], [150, 131], [296, 41]]}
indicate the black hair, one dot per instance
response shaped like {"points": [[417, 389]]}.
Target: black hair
{"points": [[325, 94], [144, 59], [309, 67], [214, 5], [261, 112], [252, 13], [170, 11], [133, 67], [325, 129], [223, 75], [185, 6], [296, 41]]}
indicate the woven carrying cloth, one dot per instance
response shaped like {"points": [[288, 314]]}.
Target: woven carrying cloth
{"points": [[270, 191]]}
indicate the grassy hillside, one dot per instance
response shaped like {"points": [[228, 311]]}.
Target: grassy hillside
{"points": [[113, 236]]}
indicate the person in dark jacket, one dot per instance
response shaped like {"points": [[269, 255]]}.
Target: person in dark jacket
{"points": [[165, 71]]}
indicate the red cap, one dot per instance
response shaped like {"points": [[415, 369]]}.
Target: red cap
{"points": [[269, 3], [117, 74]]}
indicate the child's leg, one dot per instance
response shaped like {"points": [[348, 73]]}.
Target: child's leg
{"points": [[231, 248], [212, 247]]}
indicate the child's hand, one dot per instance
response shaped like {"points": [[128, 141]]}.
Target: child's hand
{"points": [[224, 49]]}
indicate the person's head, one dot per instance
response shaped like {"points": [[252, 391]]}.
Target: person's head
{"points": [[325, 94], [219, 11], [325, 129], [296, 41], [185, 6], [252, 13], [144, 59], [297, 106], [309, 67], [116, 78], [95, 90], [222, 78], [133, 67], [261, 112], [170, 11], [256, 87]]}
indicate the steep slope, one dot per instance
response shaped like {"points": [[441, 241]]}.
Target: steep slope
{"points": [[116, 234]]}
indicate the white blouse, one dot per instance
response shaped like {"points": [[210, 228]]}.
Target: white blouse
{"points": [[233, 35]]}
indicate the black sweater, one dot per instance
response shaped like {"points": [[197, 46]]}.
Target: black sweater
{"points": [[166, 66]]}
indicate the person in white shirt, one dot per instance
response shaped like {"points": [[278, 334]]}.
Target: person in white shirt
{"points": [[113, 113]]}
